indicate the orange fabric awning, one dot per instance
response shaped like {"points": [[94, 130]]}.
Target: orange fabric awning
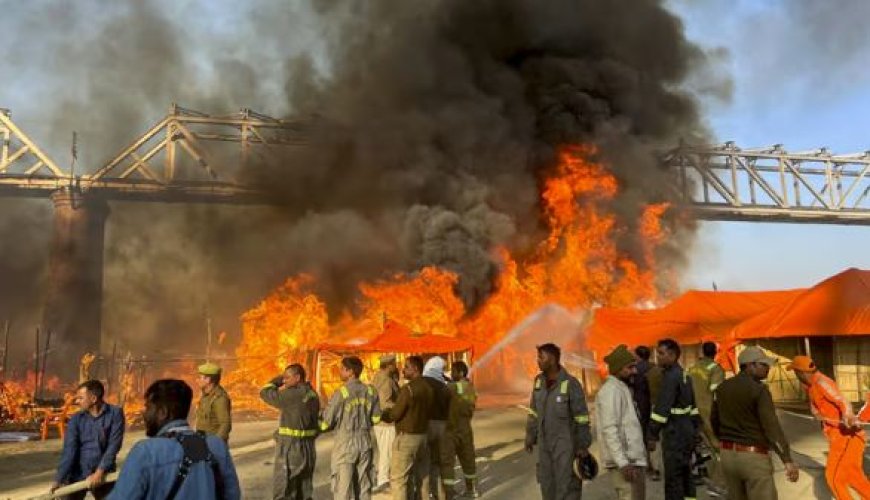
{"points": [[840, 305], [398, 338]]}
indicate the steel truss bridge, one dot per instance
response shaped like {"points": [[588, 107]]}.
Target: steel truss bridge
{"points": [[179, 159]]}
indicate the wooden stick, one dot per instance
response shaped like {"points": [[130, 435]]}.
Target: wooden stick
{"points": [[36, 366], [74, 488], [5, 347], [44, 361]]}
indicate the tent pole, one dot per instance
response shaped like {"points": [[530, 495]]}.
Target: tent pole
{"points": [[807, 347]]}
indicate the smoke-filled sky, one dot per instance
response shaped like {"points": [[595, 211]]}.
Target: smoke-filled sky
{"points": [[438, 119]]}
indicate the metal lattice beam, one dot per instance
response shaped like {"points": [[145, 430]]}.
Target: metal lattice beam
{"points": [[24, 168], [771, 184]]}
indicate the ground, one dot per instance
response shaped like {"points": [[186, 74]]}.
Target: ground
{"points": [[506, 471]]}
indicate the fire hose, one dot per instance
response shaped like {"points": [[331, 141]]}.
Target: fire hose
{"points": [[74, 488]]}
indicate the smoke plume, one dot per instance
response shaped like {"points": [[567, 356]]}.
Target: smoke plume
{"points": [[432, 124]]}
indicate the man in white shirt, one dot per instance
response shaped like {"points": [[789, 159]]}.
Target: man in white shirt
{"points": [[620, 435]]}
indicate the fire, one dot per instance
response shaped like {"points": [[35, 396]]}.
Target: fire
{"points": [[577, 265]]}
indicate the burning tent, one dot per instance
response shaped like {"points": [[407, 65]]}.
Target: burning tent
{"points": [[396, 339]]}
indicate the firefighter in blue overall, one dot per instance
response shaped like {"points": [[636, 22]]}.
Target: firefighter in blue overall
{"points": [[674, 418], [558, 424]]}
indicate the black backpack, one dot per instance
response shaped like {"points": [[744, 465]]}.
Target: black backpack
{"points": [[195, 450]]}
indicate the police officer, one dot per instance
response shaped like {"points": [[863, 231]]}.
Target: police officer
{"points": [[675, 416], [387, 385], [294, 440], [459, 438], [706, 376], [353, 410], [559, 424], [214, 408]]}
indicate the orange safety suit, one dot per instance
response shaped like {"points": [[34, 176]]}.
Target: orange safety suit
{"points": [[846, 454]]}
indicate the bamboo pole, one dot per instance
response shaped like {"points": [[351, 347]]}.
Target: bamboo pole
{"points": [[36, 366], [5, 347], [74, 488], [44, 362]]}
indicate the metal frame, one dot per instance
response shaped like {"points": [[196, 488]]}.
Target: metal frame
{"points": [[726, 182], [25, 170]]}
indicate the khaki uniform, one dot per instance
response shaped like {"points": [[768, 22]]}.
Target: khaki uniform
{"points": [[706, 376], [352, 411], [411, 416], [558, 424], [385, 433], [295, 456], [459, 438], [213, 413]]}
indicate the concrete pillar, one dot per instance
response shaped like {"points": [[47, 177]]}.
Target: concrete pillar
{"points": [[74, 299]]}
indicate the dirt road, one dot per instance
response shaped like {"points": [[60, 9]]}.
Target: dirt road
{"points": [[506, 471]]}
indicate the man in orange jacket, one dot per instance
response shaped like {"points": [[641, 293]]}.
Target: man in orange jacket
{"points": [[845, 436]]}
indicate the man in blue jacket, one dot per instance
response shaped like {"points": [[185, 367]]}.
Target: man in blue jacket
{"points": [[176, 462], [93, 438]]}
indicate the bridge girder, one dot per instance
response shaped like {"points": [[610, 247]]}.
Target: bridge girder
{"points": [[725, 182]]}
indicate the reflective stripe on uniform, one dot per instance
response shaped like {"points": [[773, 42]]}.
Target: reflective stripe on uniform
{"points": [[270, 384], [532, 413], [344, 392], [298, 433], [324, 426], [581, 419], [371, 391], [537, 383], [459, 389], [689, 410], [376, 419], [450, 482], [563, 387], [357, 402], [658, 418], [308, 396], [470, 476], [713, 387]]}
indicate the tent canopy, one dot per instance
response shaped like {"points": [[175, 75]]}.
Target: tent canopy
{"points": [[839, 305], [398, 338]]}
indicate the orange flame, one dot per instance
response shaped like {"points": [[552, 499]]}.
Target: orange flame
{"points": [[577, 265]]}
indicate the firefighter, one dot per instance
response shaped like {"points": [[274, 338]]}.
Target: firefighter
{"points": [[706, 376], [353, 411], [295, 455], [675, 417], [840, 426], [558, 424], [214, 408], [459, 438]]}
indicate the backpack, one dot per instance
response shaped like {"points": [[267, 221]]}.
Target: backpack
{"points": [[196, 450]]}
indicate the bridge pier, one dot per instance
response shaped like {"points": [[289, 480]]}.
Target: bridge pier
{"points": [[74, 298]]}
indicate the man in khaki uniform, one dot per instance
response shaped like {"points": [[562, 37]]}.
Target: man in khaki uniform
{"points": [[411, 416], [459, 438], [706, 376], [214, 407], [352, 411], [387, 385]]}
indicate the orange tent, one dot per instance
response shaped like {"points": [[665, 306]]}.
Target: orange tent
{"points": [[396, 338], [838, 306], [693, 317]]}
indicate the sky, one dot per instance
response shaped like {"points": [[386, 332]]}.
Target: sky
{"points": [[798, 70], [797, 78]]}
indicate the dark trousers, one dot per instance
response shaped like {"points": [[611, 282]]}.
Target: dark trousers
{"points": [[678, 440]]}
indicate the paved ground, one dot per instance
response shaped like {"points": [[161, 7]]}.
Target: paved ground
{"points": [[506, 471]]}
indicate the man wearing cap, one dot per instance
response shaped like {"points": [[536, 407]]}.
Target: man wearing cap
{"points": [[619, 431], [675, 418], [386, 383], [213, 409], [706, 375], [558, 424], [744, 420], [839, 424], [295, 456]]}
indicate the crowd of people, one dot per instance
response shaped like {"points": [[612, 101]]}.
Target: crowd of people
{"points": [[691, 427]]}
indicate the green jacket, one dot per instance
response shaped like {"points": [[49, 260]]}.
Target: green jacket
{"points": [[213, 413]]}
